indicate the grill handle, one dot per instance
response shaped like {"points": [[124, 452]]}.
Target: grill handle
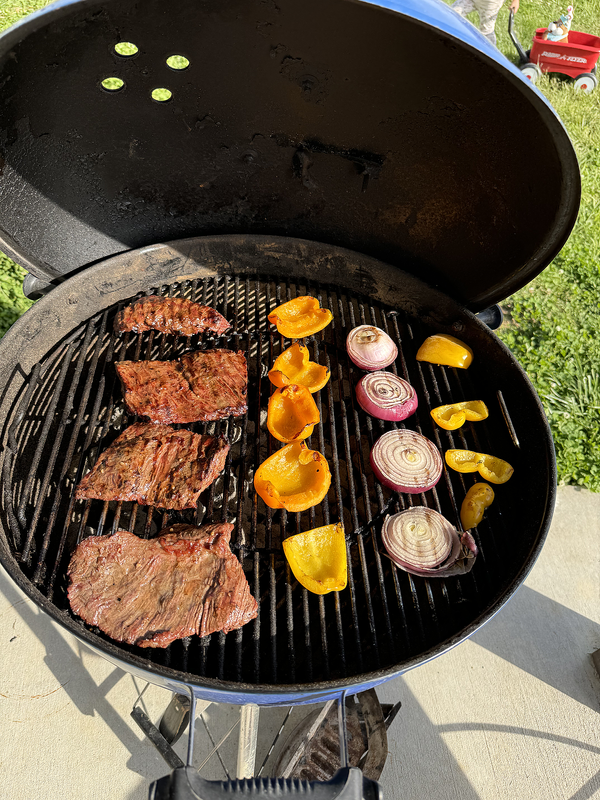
{"points": [[186, 783], [34, 287], [492, 316]]}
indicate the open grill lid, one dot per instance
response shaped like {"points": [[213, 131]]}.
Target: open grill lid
{"points": [[394, 129]]}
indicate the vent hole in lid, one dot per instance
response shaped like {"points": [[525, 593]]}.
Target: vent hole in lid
{"points": [[126, 49], [178, 62], [162, 95], [112, 84]]}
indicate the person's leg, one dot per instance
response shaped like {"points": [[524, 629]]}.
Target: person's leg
{"points": [[488, 12], [463, 7]]}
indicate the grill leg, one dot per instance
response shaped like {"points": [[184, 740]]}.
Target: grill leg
{"points": [[248, 738], [175, 719], [157, 739], [389, 713], [596, 660], [172, 725]]}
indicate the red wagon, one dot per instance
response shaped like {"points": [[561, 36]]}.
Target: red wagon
{"points": [[576, 58]]}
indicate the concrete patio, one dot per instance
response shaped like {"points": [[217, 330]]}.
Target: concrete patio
{"points": [[511, 713]]}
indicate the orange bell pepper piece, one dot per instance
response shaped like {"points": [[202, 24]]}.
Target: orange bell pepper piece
{"points": [[294, 366], [491, 469], [445, 350], [294, 478], [452, 416], [300, 317], [318, 558], [292, 413], [477, 499]]}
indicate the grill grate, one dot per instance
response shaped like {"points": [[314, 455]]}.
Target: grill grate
{"points": [[72, 409]]}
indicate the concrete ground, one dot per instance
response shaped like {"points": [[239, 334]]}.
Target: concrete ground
{"points": [[511, 713]]}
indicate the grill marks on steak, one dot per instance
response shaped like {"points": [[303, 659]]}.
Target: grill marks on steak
{"points": [[219, 379], [156, 465], [151, 592], [201, 386], [157, 390], [170, 315]]}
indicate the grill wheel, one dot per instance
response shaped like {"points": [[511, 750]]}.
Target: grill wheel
{"points": [[70, 409]]}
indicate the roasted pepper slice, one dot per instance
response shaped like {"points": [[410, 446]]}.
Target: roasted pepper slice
{"points": [[491, 469], [445, 350], [294, 366], [477, 499], [294, 478], [318, 558], [300, 317], [292, 413], [452, 416]]}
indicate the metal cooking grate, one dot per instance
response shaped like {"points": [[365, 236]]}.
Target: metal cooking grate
{"points": [[71, 409]]}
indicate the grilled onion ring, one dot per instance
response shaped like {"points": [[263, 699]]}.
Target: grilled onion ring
{"points": [[405, 461]]}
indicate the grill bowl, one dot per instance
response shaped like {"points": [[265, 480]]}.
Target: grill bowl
{"points": [[62, 403]]}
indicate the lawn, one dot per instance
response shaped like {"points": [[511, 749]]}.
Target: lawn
{"points": [[552, 325]]}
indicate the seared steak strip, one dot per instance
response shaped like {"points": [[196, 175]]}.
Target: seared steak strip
{"points": [[201, 386], [151, 592], [170, 315], [155, 465], [219, 379]]}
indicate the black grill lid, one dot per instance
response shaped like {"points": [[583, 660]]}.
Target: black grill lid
{"points": [[396, 131]]}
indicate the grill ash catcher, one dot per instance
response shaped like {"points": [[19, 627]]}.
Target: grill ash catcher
{"points": [[382, 157]]}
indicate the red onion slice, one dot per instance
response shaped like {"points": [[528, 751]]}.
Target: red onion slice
{"points": [[386, 396], [405, 461], [370, 348], [418, 537], [416, 540]]}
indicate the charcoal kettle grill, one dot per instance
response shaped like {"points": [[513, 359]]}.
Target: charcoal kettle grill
{"points": [[383, 157]]}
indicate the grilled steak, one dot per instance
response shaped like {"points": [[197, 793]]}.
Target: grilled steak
{"points": [[151, 592], [219, 379], [170, 315], [155, 465], [201, 386]]}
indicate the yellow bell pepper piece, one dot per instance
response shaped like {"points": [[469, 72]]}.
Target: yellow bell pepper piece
{"points": [[491, 469], [300, 317], [452, 416], [477, 499], [294, 478], [294, 366], [318, 558], [445, 350], [292, 413]]}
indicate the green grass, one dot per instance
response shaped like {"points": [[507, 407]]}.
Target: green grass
{"points": [[12, 301], [11, 12], [553, 324]]}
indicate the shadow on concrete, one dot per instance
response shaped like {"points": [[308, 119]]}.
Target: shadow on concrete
{"points": [[69, 670], [547, 640], [534, 633], [585, 792]]}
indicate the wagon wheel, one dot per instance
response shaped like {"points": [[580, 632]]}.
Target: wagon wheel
{"points": [[586, 82], [531, 71]]}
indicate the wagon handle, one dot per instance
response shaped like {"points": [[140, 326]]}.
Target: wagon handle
{"points": [[523, 58]]}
